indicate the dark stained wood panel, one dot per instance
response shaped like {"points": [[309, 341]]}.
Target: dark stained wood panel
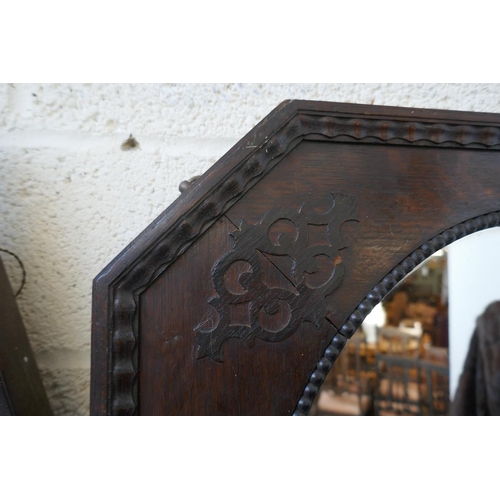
{"points": [[175, 382], [404, 196]]}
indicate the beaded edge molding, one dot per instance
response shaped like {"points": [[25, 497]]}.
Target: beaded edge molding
{"points": [[401, 132], [124, 296], [376, 295], [123, 355]]}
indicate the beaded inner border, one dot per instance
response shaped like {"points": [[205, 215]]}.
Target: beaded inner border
{"points": [[376, 295]]}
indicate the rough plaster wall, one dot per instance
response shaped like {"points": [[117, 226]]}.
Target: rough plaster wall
{"points": [[71, 199]]}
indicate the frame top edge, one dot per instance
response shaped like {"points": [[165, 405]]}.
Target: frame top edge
{"points": [[394, 112]]}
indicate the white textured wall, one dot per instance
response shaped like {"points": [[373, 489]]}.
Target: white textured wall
{"points": [[71, 199]]}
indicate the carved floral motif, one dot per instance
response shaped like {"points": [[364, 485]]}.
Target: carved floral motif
{"points": [[279, 273]]}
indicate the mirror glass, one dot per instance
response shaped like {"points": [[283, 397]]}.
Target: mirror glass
{"points": [[432, 346]]}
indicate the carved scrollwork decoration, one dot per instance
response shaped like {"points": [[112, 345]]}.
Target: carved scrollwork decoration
{"points": [[279, 273]]}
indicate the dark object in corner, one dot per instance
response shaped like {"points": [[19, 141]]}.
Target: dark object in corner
{"points": [[478, 391], [21, 388]]}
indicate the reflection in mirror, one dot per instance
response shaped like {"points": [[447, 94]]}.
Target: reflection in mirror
{"points": [[432, 346]]}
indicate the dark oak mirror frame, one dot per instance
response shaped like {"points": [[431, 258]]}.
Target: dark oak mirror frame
{"points": [[329, 206]]}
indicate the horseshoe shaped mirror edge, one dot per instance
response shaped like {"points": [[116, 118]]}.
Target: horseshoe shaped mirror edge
{"points": [[374, 189]]}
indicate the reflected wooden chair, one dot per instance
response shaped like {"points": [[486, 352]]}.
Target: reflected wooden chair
{"points": [[435, 388], [396, 341], [397, 390]]}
